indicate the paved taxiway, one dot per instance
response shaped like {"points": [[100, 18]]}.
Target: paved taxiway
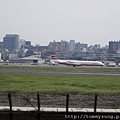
{"points": [[60, 73]]}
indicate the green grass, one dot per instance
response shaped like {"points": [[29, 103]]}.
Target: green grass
{"points": [[56, 68], [59, 84]]}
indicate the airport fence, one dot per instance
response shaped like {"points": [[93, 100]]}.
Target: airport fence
{"points": [[37, 113]]}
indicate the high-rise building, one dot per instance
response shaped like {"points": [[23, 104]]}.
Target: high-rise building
{"points": [[114, 46], [80, 46], [1, 45], [58, 46], [72, 45], [22, 42], [27, 43], [11, 42]]}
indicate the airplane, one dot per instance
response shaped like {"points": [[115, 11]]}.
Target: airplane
{"points": [[54, 61]]}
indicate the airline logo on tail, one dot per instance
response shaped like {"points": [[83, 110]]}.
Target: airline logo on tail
{"points": [[54, 57]]}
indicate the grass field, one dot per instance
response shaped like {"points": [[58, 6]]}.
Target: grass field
{"points": [[59, 84], [68, 69]]}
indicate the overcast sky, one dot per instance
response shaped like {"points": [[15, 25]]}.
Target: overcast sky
{"points": [[42, 21]]}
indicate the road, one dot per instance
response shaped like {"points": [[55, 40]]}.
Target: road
{"points": [[60, 73]]}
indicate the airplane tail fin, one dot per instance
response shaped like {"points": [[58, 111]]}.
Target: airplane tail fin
{"points": [[54, 57]]}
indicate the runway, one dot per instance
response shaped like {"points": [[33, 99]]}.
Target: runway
{"points": [[5, 71]]}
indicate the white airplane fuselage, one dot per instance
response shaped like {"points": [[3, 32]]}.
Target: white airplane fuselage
{"points": [[77, 62]]}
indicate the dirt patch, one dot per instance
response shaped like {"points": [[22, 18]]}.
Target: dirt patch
{"points": [[75, 101]]}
